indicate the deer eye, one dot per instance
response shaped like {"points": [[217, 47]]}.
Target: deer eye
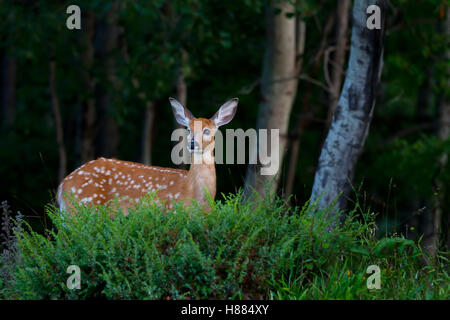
{"points": [[206, 131], [188, 130]]}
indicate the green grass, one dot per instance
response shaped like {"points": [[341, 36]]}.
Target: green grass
{"points": [[251, 250]]}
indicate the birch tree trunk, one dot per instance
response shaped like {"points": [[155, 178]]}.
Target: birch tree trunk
{"points": [[278, 90], [351, 121]]}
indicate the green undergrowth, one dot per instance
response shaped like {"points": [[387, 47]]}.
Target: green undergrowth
{"points": [[258, 249]]}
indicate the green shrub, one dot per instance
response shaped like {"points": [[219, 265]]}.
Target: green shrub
{"points": [[260, 249]]}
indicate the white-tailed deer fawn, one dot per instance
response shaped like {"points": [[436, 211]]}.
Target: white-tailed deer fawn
{"points": [[100, 181]]}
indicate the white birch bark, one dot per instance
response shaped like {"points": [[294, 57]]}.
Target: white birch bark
{"points": [[351, 121]]}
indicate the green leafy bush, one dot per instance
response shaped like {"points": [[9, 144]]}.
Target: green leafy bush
{"points": [[260, 249]]}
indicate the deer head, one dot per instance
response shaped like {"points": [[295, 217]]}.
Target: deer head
{"points": [[201, 131]]}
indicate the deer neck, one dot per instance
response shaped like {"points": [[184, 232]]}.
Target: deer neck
{"points": [[202, 173]]}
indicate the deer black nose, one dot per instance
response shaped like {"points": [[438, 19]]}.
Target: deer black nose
{"points": [[192, 144]]}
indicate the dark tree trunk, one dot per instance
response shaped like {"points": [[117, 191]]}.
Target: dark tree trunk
{"points": [[303, 118], [300, 123], [439, 214], [181, 95], [338, 61], [148, 125], [107, 138], [149, 111], [180, 83], [88, 121], [8, 89], [351, 121], [146, 143], [443, 217], [58, 122]]}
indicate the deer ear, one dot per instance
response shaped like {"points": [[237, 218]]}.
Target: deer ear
{"points": [[182, 114], [226, 112]]}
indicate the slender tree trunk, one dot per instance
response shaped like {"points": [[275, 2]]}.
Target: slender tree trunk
{"points": [[147, 131], [149, 112], [278, 91], [107, 139], [181, 95], [8, 89], [87, 42], [180, 83], [293, 159], [78, 133], [420, 207], [302, 119], [58, 122], [295, 141], [434, 226], [444, 134], [351, 121], [337, 66]]}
